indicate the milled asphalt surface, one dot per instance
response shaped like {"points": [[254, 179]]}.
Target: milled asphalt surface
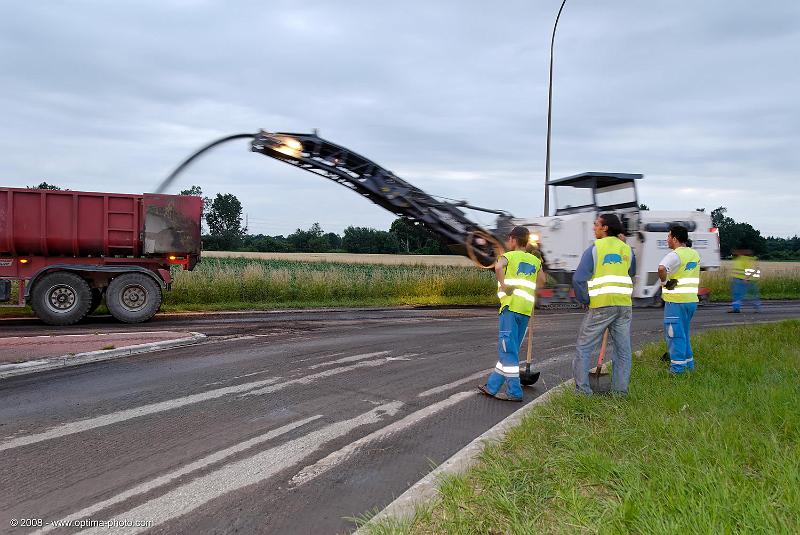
{"points": [[280, 423]]}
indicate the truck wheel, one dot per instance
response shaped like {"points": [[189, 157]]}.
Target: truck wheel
{"points": [[97, 298], [61, 298], [133, 297]]}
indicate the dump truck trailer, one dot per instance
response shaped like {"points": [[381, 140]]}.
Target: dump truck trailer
{"points": [[68, 250]]}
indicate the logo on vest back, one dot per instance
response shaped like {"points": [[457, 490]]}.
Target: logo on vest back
{"points": [[691, 265], [525, 268], [612, 259]]}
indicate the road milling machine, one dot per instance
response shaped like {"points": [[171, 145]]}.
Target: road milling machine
{"points": [[561, 238]]}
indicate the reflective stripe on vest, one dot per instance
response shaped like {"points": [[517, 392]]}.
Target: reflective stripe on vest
{"points": [[688, 279], [744, 266], [611, 284], [752, 273], [521, 272]]}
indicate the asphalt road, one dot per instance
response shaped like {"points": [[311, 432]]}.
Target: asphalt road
{"points": [[279, 423]]}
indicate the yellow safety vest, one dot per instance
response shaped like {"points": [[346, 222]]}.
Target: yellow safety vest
{"points": [[520, 273], [611, 285], [744, 267], [688, 276]]}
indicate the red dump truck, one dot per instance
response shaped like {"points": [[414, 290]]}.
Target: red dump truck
{"points": [[70, 249]]}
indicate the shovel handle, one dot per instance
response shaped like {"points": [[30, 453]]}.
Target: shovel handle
{"points": [[530, 336], [602, 351]]}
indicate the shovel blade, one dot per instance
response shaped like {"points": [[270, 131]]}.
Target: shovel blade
{"points": [[600, 383], [527, 377]]}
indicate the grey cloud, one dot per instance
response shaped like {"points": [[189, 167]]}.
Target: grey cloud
{"points": [[111, 96]]}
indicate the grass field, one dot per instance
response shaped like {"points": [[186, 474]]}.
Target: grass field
{"points": [[781, 280], [716, 451], [230, 283]]}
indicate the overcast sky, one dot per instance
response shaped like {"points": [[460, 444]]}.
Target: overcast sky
{"points": [[700, 97]]}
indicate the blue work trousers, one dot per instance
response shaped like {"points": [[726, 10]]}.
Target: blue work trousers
{"points": [[506, 371], [617, 319], [677, 322], [743, 290]]}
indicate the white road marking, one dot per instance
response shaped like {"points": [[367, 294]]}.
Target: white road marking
{"points": [[448, 386], [354, 358], [182, 471], [240, 474], [255, 388], [313, 377], [323, 465], [407, 356], [319, 357], [121, 416]]}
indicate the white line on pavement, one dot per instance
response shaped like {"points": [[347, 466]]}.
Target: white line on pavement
{"points": [[182, 471], [121, 416], [448, 386], [260, 467], [255, 388], [353, 358], [318, 357], [320, 467], [313, 377]]}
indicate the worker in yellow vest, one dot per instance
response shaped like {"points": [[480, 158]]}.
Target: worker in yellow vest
{"points": [[679, 273], [604, 282], [517, 272], [744, 280]]}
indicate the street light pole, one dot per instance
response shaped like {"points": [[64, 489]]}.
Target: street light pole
{"points": [[550, 116]]}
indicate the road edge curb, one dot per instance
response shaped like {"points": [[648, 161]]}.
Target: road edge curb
{"points": [[69, 361], [404, 506]]}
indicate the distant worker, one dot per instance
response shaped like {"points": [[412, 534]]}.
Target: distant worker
{"points": [[744, 280], [517, 272], [604, 281], [679, 273]]}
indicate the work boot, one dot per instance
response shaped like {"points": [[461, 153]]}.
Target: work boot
{"points": [[506, 397], [734, 312], [665, 357], [483, 390]]}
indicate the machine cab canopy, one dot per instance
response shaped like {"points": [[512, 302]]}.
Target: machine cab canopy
{"points": [[588, 192]]}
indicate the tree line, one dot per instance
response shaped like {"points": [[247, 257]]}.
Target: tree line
{"points": [[225, 232]]}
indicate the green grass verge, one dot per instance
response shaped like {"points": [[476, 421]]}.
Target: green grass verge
{"points": [[716, 451]]}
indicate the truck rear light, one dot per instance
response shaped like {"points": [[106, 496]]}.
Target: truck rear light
{"points": [[175, 260], [715, 230], [23, 260]]}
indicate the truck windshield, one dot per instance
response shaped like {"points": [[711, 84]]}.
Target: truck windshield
{"points": [[615, 195], [569, 197]]}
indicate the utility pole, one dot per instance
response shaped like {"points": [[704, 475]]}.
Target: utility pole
{"points": [[549, 117]]}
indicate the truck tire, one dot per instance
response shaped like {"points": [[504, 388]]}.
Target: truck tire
{"points": [[61, 298], [97, 298], [133, 297]]}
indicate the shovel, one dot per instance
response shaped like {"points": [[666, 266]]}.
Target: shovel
{"points": [[526, 376], [600, 381]]}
